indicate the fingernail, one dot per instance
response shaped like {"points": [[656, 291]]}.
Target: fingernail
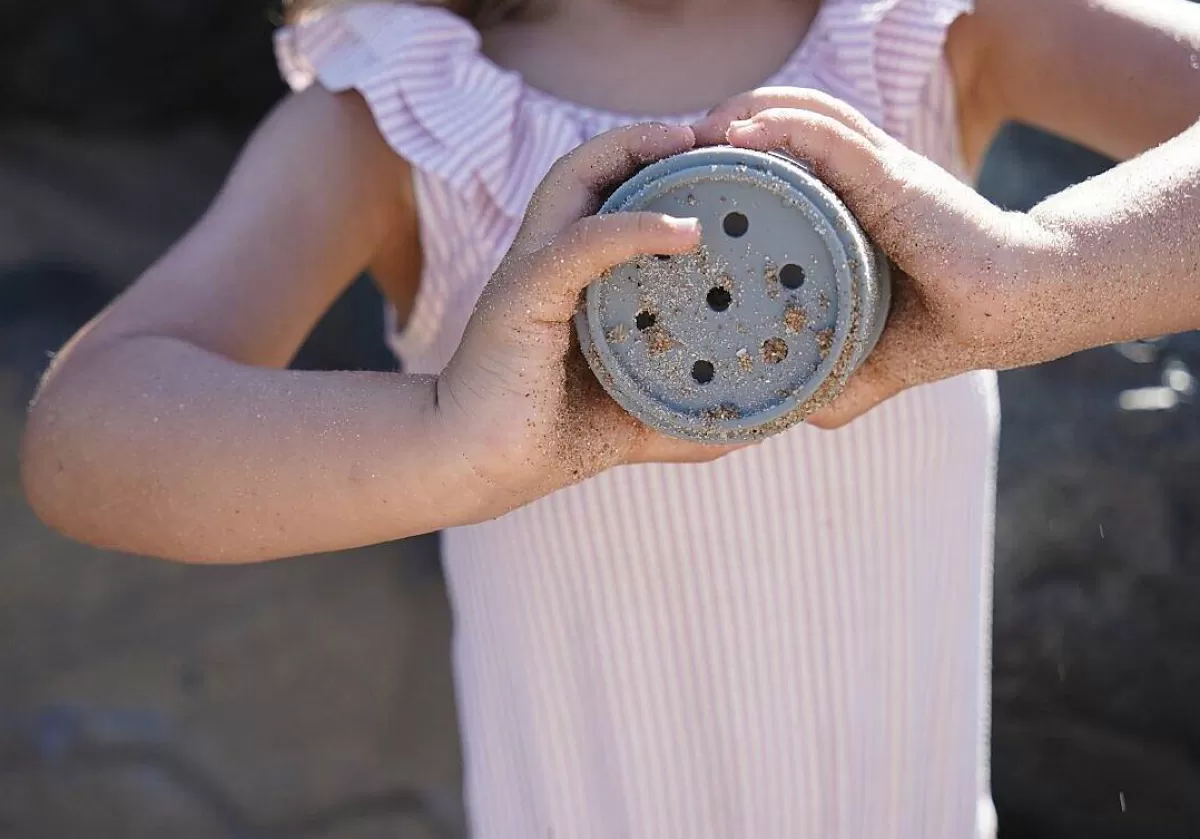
{"points": [[667, 127], [741, 126], [685, 225]]}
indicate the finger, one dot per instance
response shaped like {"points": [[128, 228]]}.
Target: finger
{"points": [[868, 178], [714, 127], [554, 275], [576, 183], [906, 355], [659, 448], [858, 398]]}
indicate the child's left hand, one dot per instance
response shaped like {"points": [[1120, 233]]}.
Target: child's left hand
{"points": [[964, 297]]}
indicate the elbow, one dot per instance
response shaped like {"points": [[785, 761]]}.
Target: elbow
{"points": [[69, 470], [50, 471], [42, 472], [73, 485], [57, 462], [91, 466], [93, 487], [73, 481]]}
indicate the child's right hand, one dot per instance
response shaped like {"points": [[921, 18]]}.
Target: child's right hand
{"points": [[518, 401]]}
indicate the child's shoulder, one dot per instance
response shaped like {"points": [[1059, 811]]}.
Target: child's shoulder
{"points": [[338, 129], [435, 99]]}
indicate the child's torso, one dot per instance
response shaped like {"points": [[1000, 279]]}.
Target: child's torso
{"points": [[789, 642]]}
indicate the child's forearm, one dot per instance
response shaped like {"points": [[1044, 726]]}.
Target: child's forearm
{"points": [[1128, 263], [157, 447]]}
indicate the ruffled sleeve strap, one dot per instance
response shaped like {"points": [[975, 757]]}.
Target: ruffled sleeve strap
{"points": [[438, 102], [890, 50]]}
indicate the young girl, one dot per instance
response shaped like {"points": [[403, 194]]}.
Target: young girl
{"points": [[787, 641]]}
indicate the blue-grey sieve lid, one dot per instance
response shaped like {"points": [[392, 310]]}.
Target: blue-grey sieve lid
{"points": [[744, 337]]}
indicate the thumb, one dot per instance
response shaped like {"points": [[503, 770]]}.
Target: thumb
{"points": [[552, 277]]}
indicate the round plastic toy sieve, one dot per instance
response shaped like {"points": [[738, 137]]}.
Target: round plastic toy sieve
{"points": [[757, 328]]}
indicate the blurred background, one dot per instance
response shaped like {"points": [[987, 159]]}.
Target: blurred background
{"points": [[311, 699]]}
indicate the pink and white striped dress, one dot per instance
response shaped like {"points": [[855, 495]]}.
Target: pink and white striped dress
{"points": [[791, 642]]}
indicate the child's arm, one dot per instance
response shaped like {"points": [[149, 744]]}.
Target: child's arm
{"points": [[160, 428], [1120, 76], [166, 428], [1127, 262]]}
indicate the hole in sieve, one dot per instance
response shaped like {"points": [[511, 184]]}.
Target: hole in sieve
{"points": [[736, 224]]}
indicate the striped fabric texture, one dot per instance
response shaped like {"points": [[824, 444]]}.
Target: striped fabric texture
{"points": [[790, 642]]}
